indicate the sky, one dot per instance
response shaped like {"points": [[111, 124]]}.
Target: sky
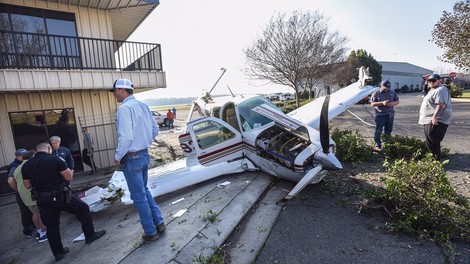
{"points": [[198, 38]]}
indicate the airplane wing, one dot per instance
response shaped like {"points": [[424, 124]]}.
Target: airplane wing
{"points": [[162, 180], [340, 101]]}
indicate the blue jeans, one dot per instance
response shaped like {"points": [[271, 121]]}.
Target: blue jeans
{"points": [[382, 123], [135, 171]]}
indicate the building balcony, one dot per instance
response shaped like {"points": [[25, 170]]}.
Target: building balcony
{"points": [[34, 62]]}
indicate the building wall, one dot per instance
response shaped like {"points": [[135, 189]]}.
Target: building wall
{"points": [[95, 109], [398, 80], [403, 73]]}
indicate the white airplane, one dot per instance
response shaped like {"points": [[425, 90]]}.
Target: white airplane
{"points": [[238, 133]]}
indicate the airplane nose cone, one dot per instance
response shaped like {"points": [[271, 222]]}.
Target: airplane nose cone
{"points": [[328, 161], [334, 162]]}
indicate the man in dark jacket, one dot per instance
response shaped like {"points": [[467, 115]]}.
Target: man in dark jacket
{"points": [[26, 215], [63, 152]]}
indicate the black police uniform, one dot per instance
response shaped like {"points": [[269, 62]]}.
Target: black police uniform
{"points": [[48, 183], [26, 215]]}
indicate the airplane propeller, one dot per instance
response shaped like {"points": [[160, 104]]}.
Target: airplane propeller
{"points": [[324, 130], [325, 144]]}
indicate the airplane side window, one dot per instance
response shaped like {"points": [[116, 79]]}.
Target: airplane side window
{"points": [[210, 133]]}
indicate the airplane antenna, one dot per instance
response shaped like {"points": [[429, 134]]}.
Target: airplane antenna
{"points": [[230, 91], [223, 71]]}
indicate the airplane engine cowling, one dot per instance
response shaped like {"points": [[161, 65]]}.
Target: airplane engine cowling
{"points": [[280, 146]]}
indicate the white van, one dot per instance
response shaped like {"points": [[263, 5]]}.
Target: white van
{"points": [[286, 96]]}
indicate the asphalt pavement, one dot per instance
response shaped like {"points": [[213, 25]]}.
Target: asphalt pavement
{"points": [[320, 226]]}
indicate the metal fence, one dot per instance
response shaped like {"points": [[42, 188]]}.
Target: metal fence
{"points": [[103, 130], [38, 51]]}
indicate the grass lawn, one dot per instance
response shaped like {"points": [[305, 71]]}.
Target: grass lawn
{"points": [[163, 109], [466, 94]]}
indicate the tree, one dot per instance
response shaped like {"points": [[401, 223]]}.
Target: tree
{"points": [[346, 72], [452, 33], [293, 51], [362, 58]]}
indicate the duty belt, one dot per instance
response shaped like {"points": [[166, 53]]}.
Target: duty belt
{"points": [[48, 194]]}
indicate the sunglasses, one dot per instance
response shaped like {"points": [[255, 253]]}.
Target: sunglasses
{"points": [[431, 81]]}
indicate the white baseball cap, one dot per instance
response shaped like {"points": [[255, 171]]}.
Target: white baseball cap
{"points": [[122, 83]]}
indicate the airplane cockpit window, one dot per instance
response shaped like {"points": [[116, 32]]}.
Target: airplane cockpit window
{"points": [[249, 118], [210, 133]]}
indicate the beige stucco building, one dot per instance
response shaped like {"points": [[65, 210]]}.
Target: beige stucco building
{"points": [[57, 60]]}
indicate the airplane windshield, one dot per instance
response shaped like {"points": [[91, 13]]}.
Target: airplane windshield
{"points": [[249, 118]]}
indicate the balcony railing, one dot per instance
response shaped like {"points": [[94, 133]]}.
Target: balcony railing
{"points": [[42, 51]]}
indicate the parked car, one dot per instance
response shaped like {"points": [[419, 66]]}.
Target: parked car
{"points": [[160, 119], [286, 96], [274, 96], [364, 100]]}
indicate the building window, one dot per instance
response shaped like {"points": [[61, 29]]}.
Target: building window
{"points": [[37, 38]]}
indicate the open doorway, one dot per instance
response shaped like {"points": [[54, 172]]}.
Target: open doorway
{"points": [[29, 127]]}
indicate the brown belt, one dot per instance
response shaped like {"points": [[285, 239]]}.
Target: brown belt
{"points": [[135, 152]]}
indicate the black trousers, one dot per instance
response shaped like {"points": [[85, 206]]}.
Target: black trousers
{"points": [[26, 215], [88, 160], [434, 136], [50, 216]]}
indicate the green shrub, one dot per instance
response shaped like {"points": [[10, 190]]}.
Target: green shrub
{"points": [[351, 147], [455, 91], [403, 147], [397, 147], [422, 201], [405, 88], [288, 106]]}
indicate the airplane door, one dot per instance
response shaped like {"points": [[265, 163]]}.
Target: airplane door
{"points": [[216, 141]]}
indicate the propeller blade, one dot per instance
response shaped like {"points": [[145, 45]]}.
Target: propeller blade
{"points": [[308, 178], [324, 132]]}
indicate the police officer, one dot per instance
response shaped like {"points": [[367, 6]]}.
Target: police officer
{"points": [[26, 215], [48, 175], [447, 83]]}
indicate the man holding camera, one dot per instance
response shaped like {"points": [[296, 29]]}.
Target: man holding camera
{"points": [[49, 178]]}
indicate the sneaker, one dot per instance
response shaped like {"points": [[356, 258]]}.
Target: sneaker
{"points": [[377, 149], [95, 236], [60, 256], [150, 237], [42, 238], [37, 235], [161, 228], [29, 234]]}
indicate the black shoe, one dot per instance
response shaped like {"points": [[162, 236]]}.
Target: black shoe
{"points": [[29, 234], [150, 237], [95, 236], [60, 256], [161, 228]]}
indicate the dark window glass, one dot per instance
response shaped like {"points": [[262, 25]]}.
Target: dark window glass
{"points": [[4, 21], [30, 24], [34, 126], [61, 27]]}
